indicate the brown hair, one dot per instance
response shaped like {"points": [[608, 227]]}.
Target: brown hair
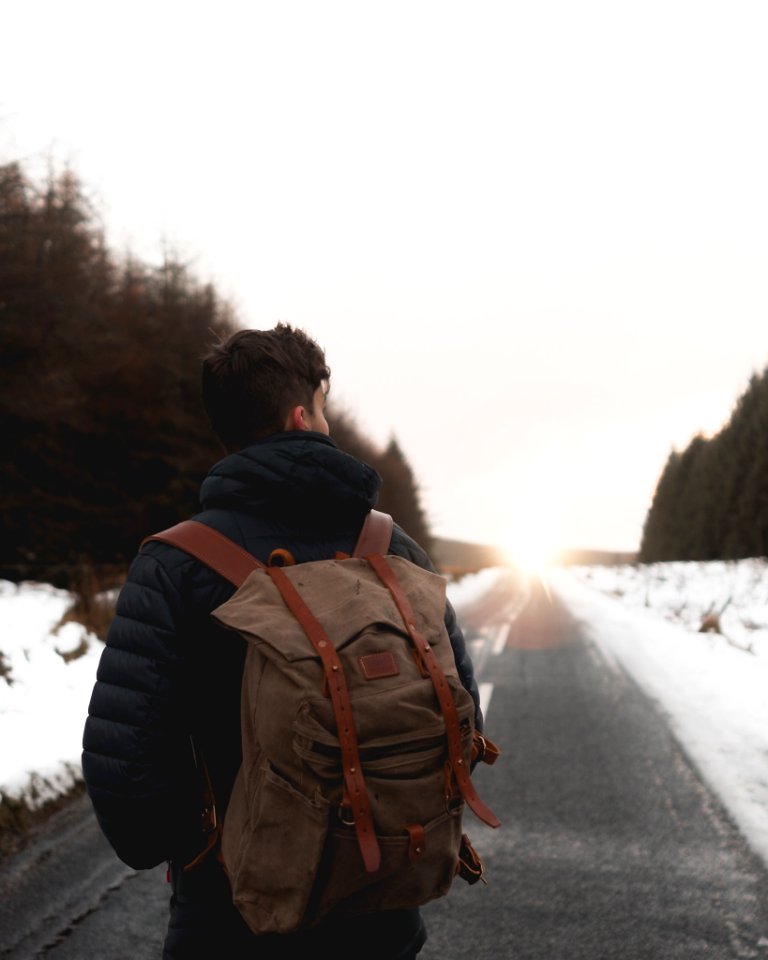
{"points": [[252, 380]]}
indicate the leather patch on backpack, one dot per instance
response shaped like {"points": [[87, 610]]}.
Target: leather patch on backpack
{"points": [[378, 665]]}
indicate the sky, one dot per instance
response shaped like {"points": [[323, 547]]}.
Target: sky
{"points": [[644, 619], [530, 236]]}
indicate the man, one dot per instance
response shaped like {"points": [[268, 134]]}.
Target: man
{"points": [[169, 677]]}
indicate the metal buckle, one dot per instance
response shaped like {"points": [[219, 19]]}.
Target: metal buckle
{"points": [[209, 818]]}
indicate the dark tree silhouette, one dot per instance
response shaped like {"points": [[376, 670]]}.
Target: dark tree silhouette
{"points": [[400, 494], [711, 501], [99, 396], [105, 434]]}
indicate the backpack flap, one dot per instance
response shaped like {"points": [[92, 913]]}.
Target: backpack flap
{"points": [[345, 596]]}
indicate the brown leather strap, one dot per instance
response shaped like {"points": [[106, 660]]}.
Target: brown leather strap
{"points": [[484, 750], [235, 564], [469, 866], [455, 753], [375, 534], [417, 841], [209, 820], [211, 548], [354, 781]]}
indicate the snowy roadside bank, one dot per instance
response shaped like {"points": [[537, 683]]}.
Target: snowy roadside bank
{"points": [[712, 687], [49, 668]]}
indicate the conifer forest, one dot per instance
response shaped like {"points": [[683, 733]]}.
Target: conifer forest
{"points": [[711, 500], [105, 436]]}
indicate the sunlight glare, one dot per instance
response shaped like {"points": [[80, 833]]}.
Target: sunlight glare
{"points": [[530, 544]]}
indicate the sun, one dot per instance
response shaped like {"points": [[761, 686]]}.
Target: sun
{"points": [[530, 544]]}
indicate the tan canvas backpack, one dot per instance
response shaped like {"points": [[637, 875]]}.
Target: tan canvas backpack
{"points": [[357, 734]]}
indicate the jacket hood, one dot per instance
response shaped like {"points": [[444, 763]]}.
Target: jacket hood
{"points": [[293, 475]]}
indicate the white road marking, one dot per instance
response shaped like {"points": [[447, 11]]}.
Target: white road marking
{"points": [[500, 640], [485, 696]]}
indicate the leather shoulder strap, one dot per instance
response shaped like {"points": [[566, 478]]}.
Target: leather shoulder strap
{"points": [[460, 769], [375, 534], [235, 564], [356, 792], [211, 548]]}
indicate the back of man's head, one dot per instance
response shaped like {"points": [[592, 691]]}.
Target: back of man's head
{"points": [[252, 380]]}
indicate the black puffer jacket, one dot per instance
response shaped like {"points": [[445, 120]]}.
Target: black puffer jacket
{"points": [[168, 674]]}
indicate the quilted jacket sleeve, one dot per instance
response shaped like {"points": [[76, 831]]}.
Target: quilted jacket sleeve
{"points": [[137, 759], [404, 546]]}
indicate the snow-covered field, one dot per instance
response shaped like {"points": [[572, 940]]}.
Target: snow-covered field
{"points": [[44, 696], [644, 619], [686, 593], [712, 686]]}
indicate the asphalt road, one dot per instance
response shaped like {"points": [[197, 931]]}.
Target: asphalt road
{"points": [[610, 844], [67, 897]]}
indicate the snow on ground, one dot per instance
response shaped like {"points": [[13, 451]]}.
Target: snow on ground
{"points": [[712, 686], [644, 619], [44, 697]]}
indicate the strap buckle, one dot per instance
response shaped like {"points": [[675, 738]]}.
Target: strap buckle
{"points": [[209, 819]]}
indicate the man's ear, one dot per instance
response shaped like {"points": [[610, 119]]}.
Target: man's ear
{"points": [[295, 419]]}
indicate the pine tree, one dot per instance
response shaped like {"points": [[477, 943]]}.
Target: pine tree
{"points": [[711, 501], [399, 494]]}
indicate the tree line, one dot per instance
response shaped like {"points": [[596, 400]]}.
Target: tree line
{"points": [[104, 432], [711, 501]]}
